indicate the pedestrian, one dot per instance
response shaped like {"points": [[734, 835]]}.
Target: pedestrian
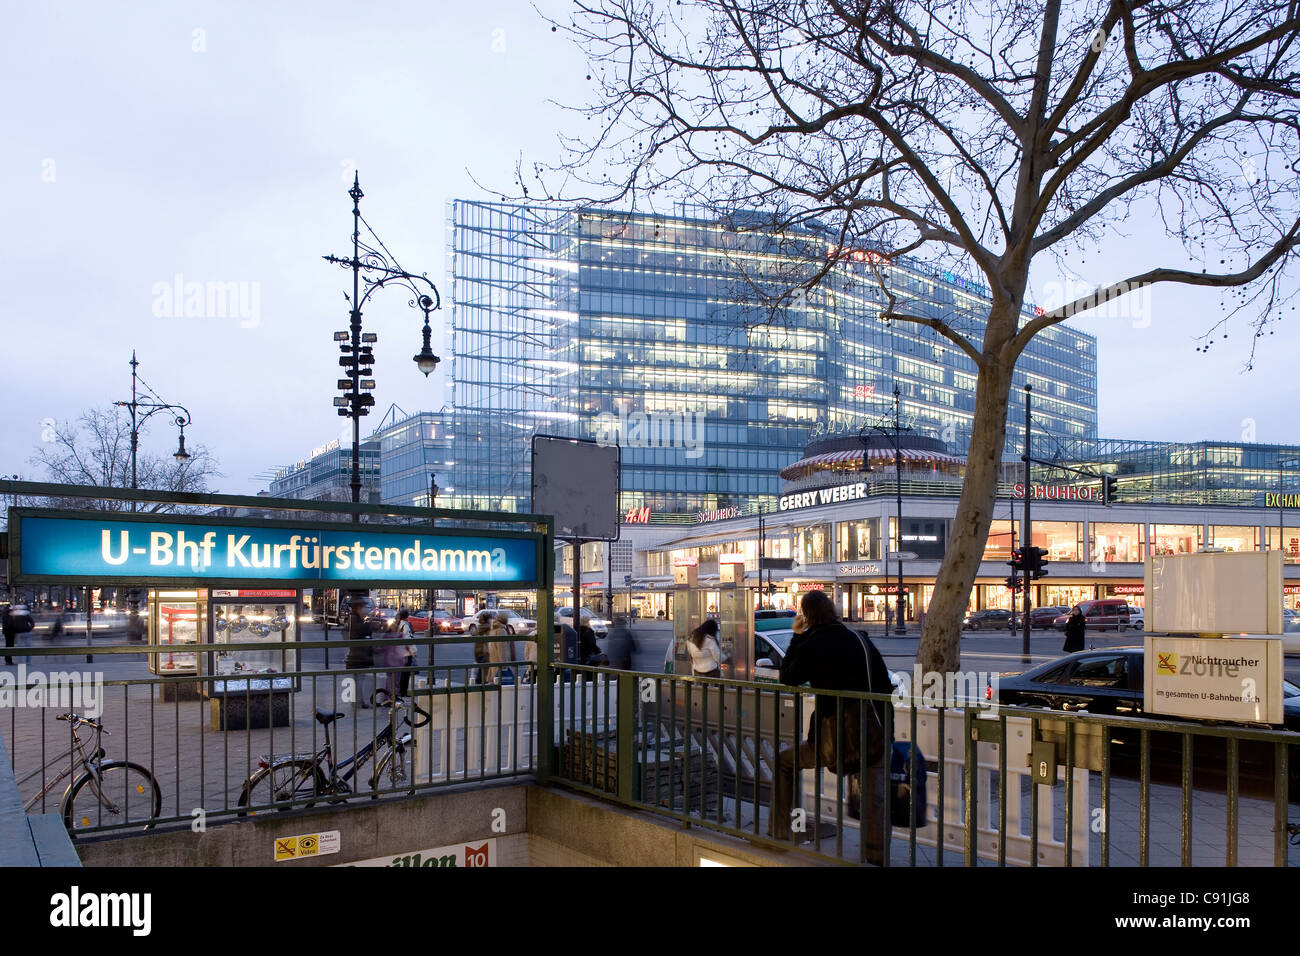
{"points": [[501, 652], [56, 629], [620, 643], [397, 656], [706, 655], [830, 656], [1074, 630], [360, 629], [589, 651], [481, 627], [10, 627]]}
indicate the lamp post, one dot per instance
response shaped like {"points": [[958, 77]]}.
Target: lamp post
{"points": [[901, 604], [151, 408], [372, 269], [181, 455]]}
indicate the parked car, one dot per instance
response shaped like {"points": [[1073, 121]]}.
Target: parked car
{"points": [[1040, 617], [599, 625], [443, 622], [1101, 615], [1137, 618], [987, 620], [773, 619], [1100, 681], [1290, 631]]}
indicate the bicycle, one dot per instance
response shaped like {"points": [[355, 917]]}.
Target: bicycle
{"points": [[301, 779], [120, 790]]}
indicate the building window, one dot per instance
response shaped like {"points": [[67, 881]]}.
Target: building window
{"points": [[1115, 542], [1231, 537], [1059, 538], [811, 544], [1001, 540], [857, 540], [1175, 539]]}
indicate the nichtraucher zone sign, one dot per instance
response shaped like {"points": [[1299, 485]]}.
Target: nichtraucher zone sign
{"points": [[143, 549]]}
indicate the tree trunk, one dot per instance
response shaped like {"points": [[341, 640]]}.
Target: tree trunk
{"points": [[939, 650]]}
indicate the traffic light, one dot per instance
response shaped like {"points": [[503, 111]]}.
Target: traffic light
{"points": [[1017, 561], [1015, 583], [1034, 563], [1107, 489]]}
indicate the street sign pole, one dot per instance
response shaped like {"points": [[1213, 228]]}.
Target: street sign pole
{"points": [[1025, 536]]}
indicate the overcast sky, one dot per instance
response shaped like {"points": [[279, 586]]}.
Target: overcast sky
{"points": [[216, 142]]}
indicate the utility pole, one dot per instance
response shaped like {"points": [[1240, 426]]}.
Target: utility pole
{"points": [[901, 628], [1026, 538]]}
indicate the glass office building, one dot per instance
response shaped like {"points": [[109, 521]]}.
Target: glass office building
{"points": [[687, 340], [326, 474]]}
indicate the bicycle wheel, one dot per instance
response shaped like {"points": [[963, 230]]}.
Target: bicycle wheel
{"points": [[119, 793], [382, 774], [286, 785]]}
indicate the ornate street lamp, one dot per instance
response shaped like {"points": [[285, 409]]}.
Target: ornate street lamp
{"points": [[373, 267]]}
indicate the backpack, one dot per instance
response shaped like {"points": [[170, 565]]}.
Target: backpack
{"points": [[901, 790]]}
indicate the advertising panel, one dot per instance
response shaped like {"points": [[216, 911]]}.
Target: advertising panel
{"points": [[1237, 679]]}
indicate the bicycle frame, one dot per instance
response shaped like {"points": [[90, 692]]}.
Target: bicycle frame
{"points": [[90, 763], [340, 775]]}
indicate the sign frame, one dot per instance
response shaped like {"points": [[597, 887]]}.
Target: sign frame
{"points": [[18, 575]]}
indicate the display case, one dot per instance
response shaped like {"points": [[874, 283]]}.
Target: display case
{"points": [[174, 621], [251, 687]]}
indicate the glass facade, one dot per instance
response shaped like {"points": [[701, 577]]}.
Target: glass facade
{"points": [[413, 451], [677, 336], [327, 474]]}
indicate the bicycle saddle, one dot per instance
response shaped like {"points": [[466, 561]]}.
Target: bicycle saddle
{"points": [[327, 716]]}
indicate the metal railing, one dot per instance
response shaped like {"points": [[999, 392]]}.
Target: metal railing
{"points": [[1116, 791], [213, 742]]}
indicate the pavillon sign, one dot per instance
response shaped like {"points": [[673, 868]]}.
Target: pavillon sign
{"points": [[144, 548]]}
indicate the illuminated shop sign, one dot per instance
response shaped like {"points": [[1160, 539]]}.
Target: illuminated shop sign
{"points": [[718, 514], [1060, 492], [177, 549], [637, 516], [1128, 589], [859, 569], [1274, 500], [823, 496]]}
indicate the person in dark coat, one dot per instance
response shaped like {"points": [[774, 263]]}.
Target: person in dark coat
{"points": [[829, 656], [1074, 630], [10, 628]]}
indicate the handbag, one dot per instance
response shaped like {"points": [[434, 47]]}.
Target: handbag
{"points": [[855, 749]]}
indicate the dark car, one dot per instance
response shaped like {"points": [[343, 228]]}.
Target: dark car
{"points": [[1103, 682], [988, 619], [1039, 617]]}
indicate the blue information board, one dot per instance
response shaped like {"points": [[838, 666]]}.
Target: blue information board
{"points": [[138, 549]]}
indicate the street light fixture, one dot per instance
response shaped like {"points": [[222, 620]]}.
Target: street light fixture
{"points": [[372, 268], [138, 420], [901, 604]]}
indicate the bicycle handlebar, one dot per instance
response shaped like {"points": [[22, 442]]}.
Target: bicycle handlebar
{"points": [[78, 719]]}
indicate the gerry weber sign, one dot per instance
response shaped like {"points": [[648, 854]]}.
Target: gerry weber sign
{"points": [[140, 548], [823, 496]]}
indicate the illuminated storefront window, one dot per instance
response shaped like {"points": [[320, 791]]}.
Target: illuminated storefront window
{"points": [[1002, 538], [1175, 539], [1059, 538], [1234, 537], [1115, 542], [811, 544], [856, 540], [1290, 541]]}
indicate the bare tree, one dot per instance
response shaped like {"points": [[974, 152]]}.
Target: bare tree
{"points": [[96, 451], [985, 134]]}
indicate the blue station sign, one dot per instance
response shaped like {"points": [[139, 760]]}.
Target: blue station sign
{"points": [[146, 549]]}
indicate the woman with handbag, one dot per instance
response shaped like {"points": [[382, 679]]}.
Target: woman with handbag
{"points": [[842, 735]]}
